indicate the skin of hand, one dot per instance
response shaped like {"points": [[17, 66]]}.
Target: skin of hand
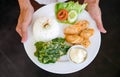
{"points": [[26, 12], [95, 12], [25, 17]]}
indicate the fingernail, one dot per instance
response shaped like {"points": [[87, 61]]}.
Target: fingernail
{"points": [[22, 41], [104, 31]]}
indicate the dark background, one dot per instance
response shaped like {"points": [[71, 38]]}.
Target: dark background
{"points": [[14, 61]]}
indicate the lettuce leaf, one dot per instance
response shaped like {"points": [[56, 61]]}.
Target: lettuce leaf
{"points": [[70, 6]]}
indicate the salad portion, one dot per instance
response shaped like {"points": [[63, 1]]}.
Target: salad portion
{"points": [[68, 12]]}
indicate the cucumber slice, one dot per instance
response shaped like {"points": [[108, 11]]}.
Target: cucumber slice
{"points": [[72, 16]]}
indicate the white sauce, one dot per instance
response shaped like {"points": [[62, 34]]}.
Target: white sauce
{"points": [[77, 55]]}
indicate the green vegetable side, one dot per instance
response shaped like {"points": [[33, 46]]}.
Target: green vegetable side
{"points": [[70, 6], [50, 52]]}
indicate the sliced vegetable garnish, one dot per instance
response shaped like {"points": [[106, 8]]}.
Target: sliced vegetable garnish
{"points": [[62, 14], [72, 16]]}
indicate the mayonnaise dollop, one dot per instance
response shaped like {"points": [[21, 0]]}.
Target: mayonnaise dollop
{"points": [[77, 54]]}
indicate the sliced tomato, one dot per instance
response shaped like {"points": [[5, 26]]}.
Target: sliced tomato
{"points": [[62, 14]]}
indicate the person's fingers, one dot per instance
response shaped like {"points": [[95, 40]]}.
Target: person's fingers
{"points": [[100, 25], [23, 24], [96, 15], [95, 12], [18, 29], [24, 21], [24, 34], [22, 31], [98, 20]]}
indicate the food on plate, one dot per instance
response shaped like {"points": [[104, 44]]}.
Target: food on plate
{"points": [[45, 29], [77, 27], [79, 33], [85, 43], [77, 54], [82, 24], [87, 33], [62, 14], [50, 52], [68, 12], [72, 30], [74, 39], [72, 16]]}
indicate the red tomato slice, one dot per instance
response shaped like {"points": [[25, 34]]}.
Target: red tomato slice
{"points": [[62, 14]]}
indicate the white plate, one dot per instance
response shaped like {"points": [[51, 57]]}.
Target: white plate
{"points": [[63, 66]]}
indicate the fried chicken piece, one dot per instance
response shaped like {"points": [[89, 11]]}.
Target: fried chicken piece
{"points": [[87, 33], [83, 24], [73, 29], [85, 43], [79, 33], [76, 28], [74, 39]]}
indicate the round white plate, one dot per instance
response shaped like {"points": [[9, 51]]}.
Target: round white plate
{"points": [[64, 66]]}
